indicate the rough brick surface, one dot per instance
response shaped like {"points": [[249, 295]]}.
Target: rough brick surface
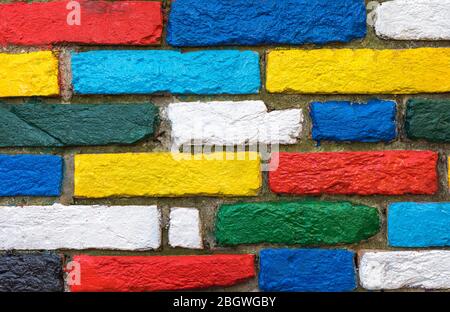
{"points": [[413, 20], [307, 270], [30, 175], [360, 71], [255, 22], [31, 273], [145, 72], [101, 22], [109, 273], [185, 228], [29, 74], [64, 125], [419, 224], [167, 175], [346, 121], [363, 173], [428, 120], [80, 227], [233, 123], [405, 269], [300, 222]]}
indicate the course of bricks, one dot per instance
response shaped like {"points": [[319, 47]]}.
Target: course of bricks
{"points": [[92, 197]]}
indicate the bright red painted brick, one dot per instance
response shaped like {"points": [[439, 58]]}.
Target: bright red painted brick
{"points": [[363, 173], [158, 273], [102, 22]]}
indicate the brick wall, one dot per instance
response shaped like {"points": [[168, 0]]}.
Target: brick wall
{"points": [[355, 197]]}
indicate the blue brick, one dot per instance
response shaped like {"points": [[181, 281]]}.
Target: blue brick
{"points": [[146, 72], [419, 224], [354, 122], [324, 270], [259, 22], [30, 175]]}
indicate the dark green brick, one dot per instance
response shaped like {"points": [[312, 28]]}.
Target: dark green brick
{"points": [[296, 222], [428, 120], [39, 124]]}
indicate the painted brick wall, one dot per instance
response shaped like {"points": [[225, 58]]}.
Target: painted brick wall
{"points": [[357, 197]]}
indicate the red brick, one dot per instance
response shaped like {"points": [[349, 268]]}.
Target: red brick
{"points": [[158, 273], [363, 173], [102, 22]]}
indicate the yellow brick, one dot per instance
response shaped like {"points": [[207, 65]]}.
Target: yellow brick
{"points": [[361, 71], [29, 74], [448, 168], [163, 174]]}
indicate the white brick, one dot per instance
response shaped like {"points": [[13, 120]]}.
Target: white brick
{"points": [[80, 227], [185, 228], [414, 20], [232, 123], [405, 269]]}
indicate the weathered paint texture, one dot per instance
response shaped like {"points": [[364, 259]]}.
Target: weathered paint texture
{"points": [[428, 120], [419, 224], [31, 273], [255, 22], [162, 273], [36, 124], [362, 173], [354, 122], [306, 270], [233, 123], [30, 175], [359, 71], [413, 20], [185, 228], [152, 71], [167, 174], [299, 222], [80, 227], [405, 269], [101, 22], [29, 74]]}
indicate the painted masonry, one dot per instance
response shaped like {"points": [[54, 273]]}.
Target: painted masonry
{"points": [[97, 96]]}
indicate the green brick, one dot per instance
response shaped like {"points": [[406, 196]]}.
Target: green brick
{"points": [[428, 120], [52, 125], [295, 222]]}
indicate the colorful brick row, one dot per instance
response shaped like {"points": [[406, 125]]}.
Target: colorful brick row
{"points": [[223, 174], [231, 72], [219, 22], [286, 222], [279, 270], [235, 123]]}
